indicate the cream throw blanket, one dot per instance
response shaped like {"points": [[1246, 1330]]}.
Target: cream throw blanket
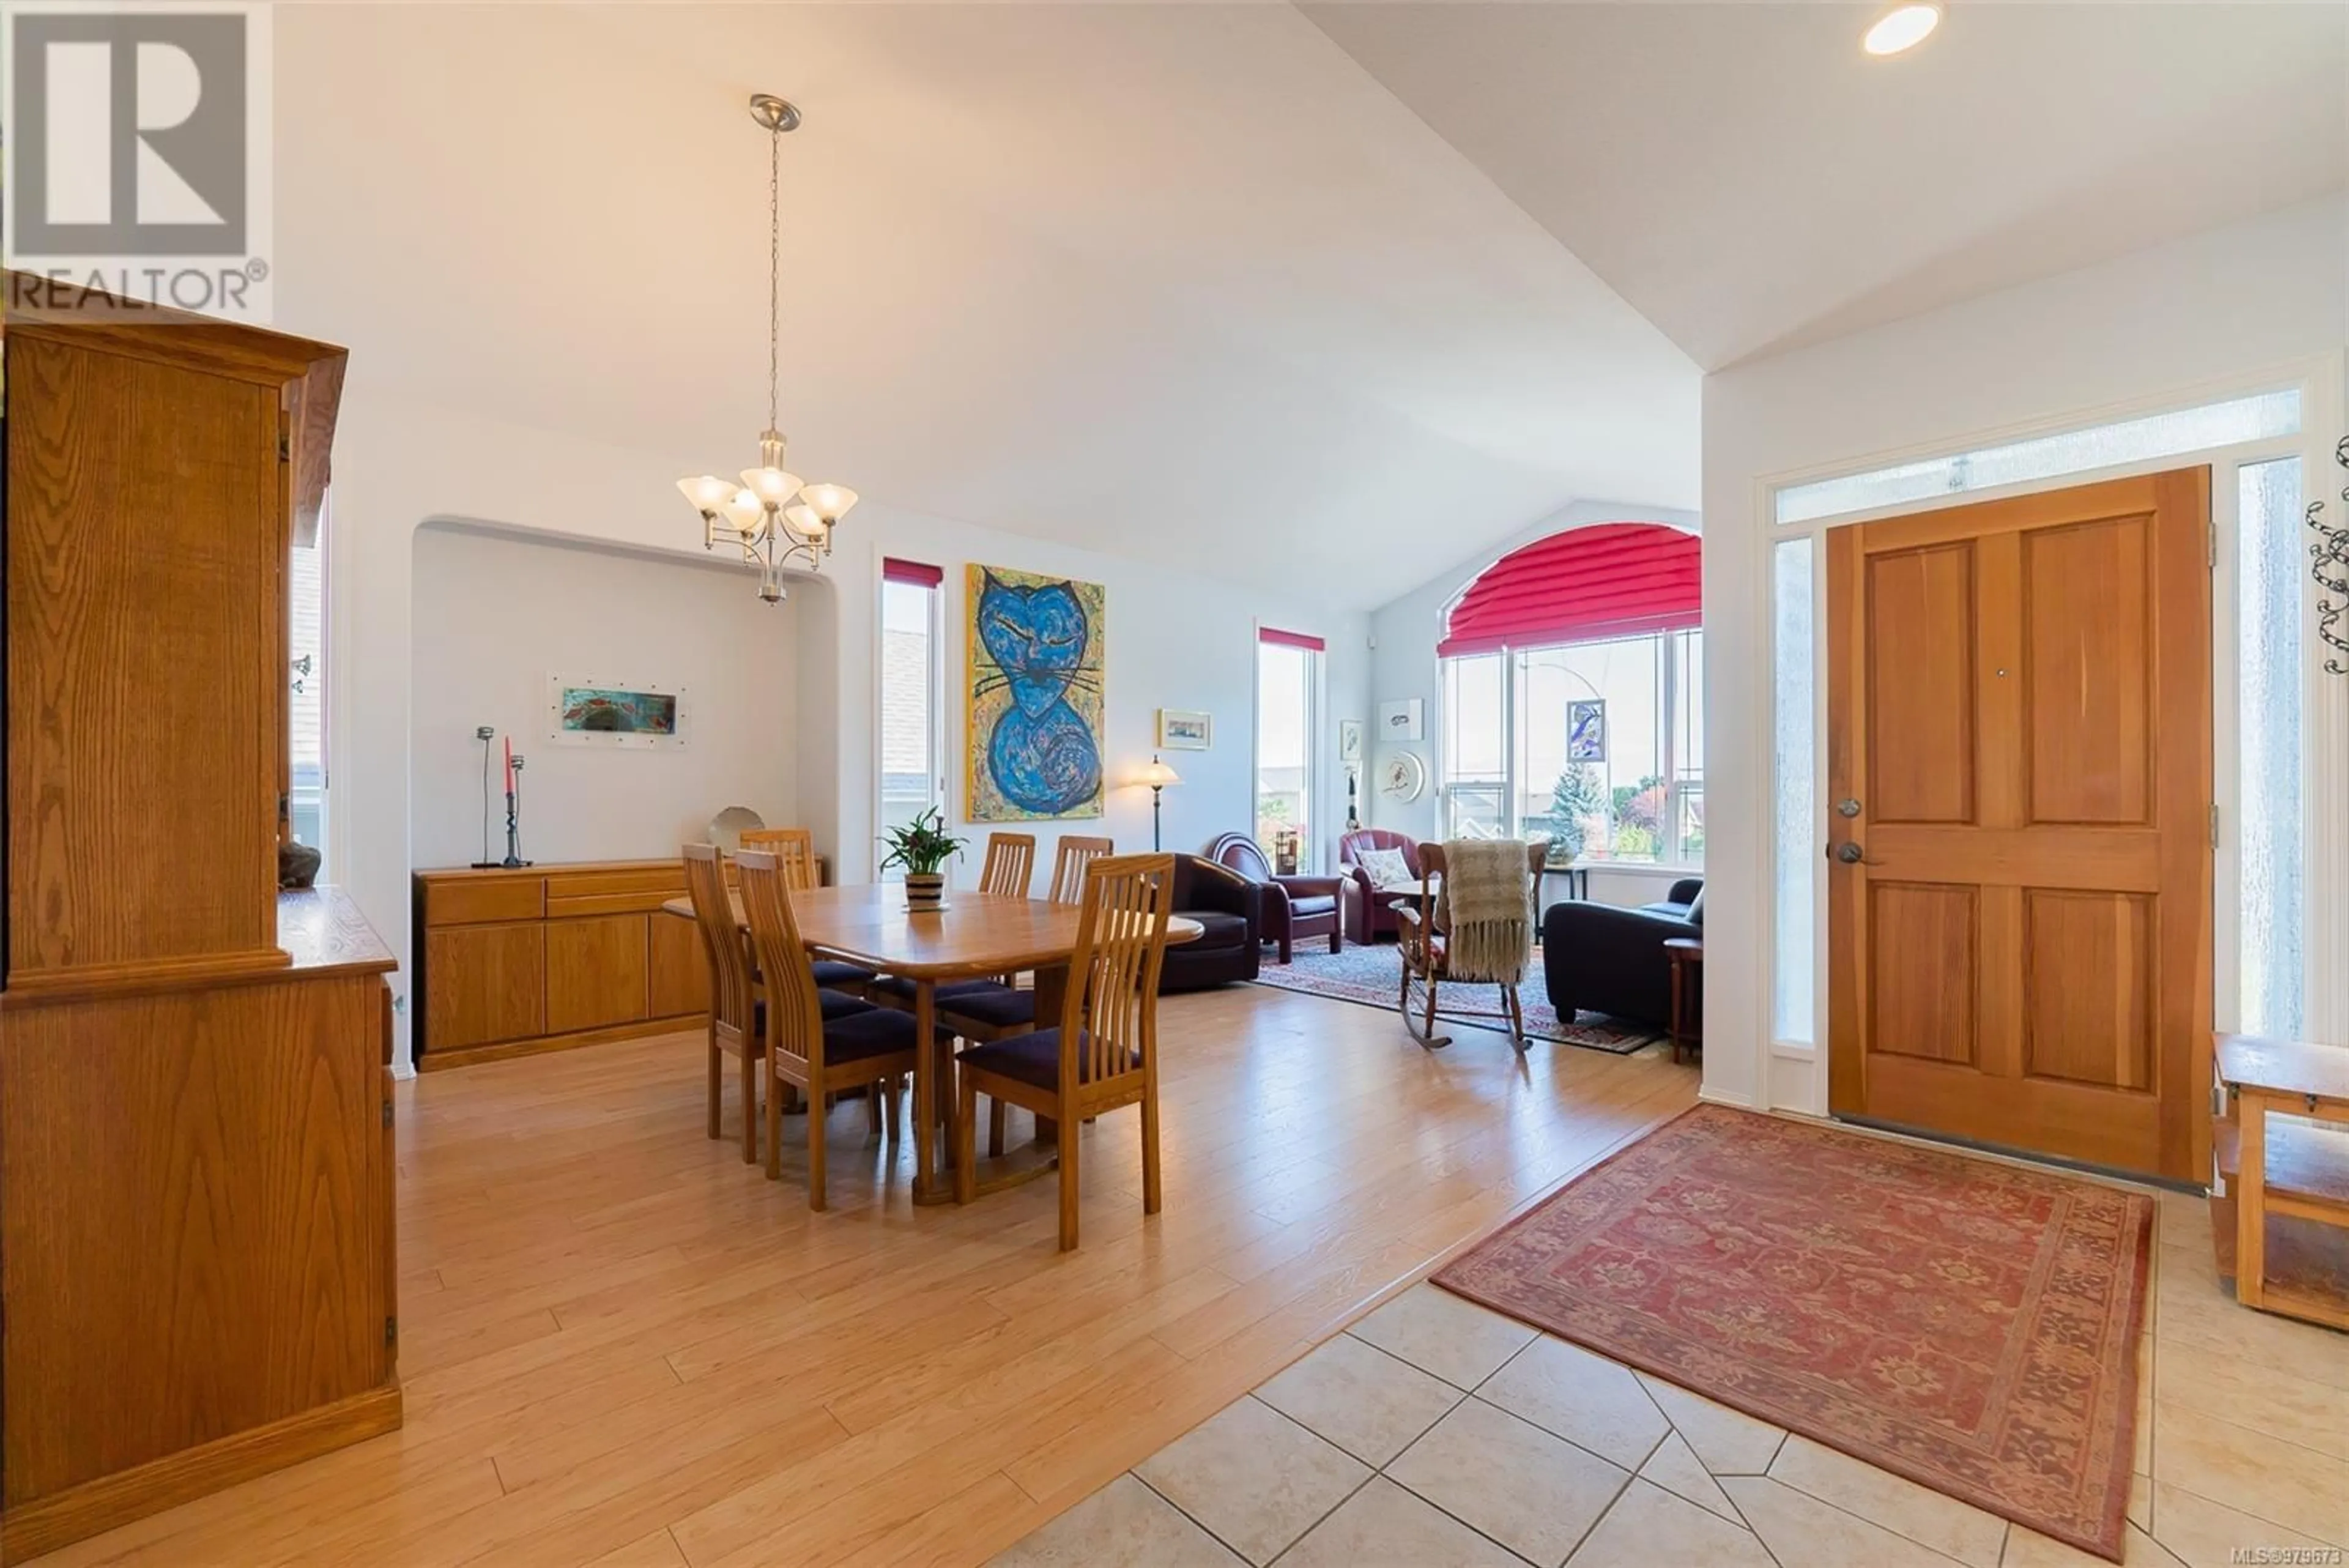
{"points": [[1486, 908]]}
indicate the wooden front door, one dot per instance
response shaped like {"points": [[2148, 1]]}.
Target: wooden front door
{"points": [[2018, 823]]}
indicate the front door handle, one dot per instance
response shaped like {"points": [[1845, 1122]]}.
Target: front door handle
{"points": [[1849, 853]]}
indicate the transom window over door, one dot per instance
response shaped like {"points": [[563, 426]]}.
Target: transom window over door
{"points": [[1573, 698]]}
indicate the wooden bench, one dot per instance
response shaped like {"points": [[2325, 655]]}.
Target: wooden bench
{"points": [[2289, 1177]]}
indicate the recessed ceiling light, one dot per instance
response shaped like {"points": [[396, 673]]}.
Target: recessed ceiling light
{"points": [[1902, 27]]}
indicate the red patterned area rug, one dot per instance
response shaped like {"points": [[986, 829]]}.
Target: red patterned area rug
{"points": [[1969, 1324]]}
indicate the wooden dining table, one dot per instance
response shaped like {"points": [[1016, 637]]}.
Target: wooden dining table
{"points": [[977, 935]]}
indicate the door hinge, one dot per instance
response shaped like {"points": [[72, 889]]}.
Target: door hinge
{"points": [[391, 1331], [2214, 825], [285, 447], [2212, 531], [387, 1113]]}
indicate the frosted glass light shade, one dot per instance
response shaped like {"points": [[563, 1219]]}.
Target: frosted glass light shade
{"points": [[1157, 775], [805, 519], [743, 510], [1902, 27], [829, 502], [773, 486], [707, 492]]}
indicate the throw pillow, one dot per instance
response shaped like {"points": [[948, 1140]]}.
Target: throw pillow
{"points": [[1696, 909], [1386, 868]]}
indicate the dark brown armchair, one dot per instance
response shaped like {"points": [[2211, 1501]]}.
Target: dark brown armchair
{"points": [[1369, 914], [1295, 908]]}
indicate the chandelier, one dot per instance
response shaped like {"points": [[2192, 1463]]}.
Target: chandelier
{"points": [[775, 518]]}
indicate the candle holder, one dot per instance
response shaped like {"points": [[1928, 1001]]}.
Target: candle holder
{"points": [[485, 734], [513, 861]]}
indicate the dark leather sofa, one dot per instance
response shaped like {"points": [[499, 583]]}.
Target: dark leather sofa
{"points": [[1601, 958], [1231, 908]]}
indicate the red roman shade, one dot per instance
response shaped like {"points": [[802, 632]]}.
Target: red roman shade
{"points": [[1586, 584], [894, 570], [1287, 638]]}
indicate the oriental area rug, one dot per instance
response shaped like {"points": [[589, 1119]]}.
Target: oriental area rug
{"points": [[1371, 974], [1969, 1324]]}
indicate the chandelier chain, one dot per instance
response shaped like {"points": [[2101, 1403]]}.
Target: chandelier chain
{"points": [[774, 266]]}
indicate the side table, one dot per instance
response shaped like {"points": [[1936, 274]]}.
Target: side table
{"points": [[1687, 957]]}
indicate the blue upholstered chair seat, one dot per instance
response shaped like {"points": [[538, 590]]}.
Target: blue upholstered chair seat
{"points": [[1032, 1059], [995, 1006]]}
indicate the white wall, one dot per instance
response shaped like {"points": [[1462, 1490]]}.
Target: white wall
{"points": [[1176, 639], [2175, 319], [1405, 665], [498, 612]]}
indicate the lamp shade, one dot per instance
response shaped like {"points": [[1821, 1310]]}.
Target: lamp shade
{"points": [[1157, 775], [707, 492], [829, 502], [743, 511], [811, 524], [773, 486]]}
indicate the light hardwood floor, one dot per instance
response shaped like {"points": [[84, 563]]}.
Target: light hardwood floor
{"points": [[607, 1321]]}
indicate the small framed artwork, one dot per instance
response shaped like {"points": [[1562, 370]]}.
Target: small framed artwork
{"points": [[1349, 739], [1181, 730], [1398, 721], [619, 715], [1586, 731]]}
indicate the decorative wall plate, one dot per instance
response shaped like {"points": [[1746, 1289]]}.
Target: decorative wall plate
{"points": [[726, 828], [1403, 776]]}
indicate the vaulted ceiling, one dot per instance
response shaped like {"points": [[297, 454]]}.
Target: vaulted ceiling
{"points": [[1339, 296]]}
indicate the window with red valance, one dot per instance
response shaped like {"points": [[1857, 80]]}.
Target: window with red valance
{"points": [[1573, 697]]}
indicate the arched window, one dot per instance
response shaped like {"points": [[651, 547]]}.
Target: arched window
{"points": [[1574, 697]]}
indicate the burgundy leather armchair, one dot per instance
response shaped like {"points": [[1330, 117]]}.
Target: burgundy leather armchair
{"points": [[1369, 914], [1295, 908]]}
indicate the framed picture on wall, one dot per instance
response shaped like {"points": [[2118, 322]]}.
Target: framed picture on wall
{"points": [[615, 714], [1181, 730], [1349, 739], [1586, 731], [1399, 721]]}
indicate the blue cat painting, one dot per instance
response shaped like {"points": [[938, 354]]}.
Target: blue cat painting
{"points": [[1035, 696]]}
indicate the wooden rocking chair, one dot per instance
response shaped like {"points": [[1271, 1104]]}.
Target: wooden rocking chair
{"points": [[1426, 958]]}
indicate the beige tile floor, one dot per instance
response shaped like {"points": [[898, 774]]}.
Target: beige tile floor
{"points": [[1434, 1432]]}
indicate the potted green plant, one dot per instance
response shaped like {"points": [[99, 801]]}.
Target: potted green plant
{"points": [[922, 847]]}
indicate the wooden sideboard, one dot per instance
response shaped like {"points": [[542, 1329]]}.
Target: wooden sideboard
{"points": [[509, 963], [196, 1174]]}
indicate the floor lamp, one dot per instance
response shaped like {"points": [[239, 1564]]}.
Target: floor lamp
{"points": [[1157, 775]]}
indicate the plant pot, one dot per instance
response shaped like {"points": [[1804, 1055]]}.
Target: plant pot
{"points": [[925, 891]]}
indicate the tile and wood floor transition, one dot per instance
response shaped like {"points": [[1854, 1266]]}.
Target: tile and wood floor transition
{"points": [[1437, 1432], [620, 1346]]}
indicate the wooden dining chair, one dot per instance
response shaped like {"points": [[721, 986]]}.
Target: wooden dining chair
{"points": [[1425, 944], [1069, 862], [1103, 1055], [817, 1050], [733, 998], [794, 848], [1010, 861]]}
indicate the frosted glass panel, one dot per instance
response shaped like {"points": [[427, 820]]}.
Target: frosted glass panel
{"points": [[2259, 418], [2267, 703], [1798, 833]]}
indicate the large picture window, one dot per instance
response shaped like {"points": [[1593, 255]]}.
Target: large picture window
{"points": [[1573, 698]]}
